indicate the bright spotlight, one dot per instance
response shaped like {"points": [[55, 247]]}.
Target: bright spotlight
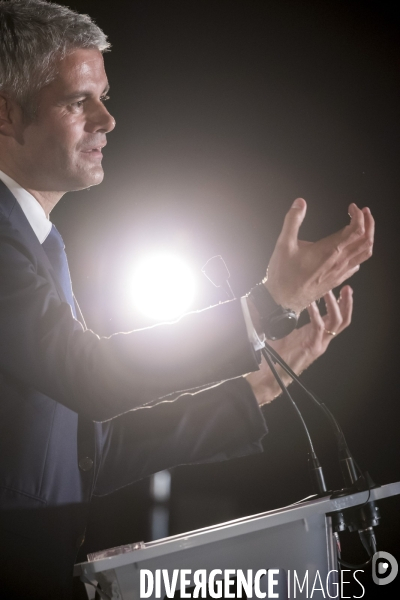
{"points": [[163, 287]]}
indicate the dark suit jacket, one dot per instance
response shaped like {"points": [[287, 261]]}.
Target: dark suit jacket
{"points": [[81, 414]]}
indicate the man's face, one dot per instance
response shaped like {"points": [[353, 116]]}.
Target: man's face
{"points": [[61, 149]]}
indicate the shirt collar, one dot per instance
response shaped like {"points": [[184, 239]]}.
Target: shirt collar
{"points": [[33, 211]]}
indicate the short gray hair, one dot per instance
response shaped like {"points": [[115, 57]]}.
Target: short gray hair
{"points": [[34, 36]]}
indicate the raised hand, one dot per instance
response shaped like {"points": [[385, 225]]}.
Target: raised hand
{"points": [[303, 346], [301, 272]]}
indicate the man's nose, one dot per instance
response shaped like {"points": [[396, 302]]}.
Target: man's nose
{"points": [[101, 120]]}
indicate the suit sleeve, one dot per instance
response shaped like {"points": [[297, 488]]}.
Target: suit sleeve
{"points": [[43, 346], [214, 424]]}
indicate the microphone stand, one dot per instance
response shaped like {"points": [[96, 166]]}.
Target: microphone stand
{"points": [[217, 272], [362, 518], [317, 475]]}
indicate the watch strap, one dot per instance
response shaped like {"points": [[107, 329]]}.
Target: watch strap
{"points": [[276, 322]]}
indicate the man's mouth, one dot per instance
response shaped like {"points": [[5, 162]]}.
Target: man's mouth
{"points": [[95, 152], [94, 149]]}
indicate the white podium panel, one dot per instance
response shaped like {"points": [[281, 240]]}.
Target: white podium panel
{"points": [[295, 539]]}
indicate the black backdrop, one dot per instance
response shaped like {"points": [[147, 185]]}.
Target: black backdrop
{"points": [[226, 111]]}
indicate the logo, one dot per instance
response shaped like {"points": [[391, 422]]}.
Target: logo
{"points": [[238, 583], [384, 568]]}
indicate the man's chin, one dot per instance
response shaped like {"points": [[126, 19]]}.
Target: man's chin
{"points": [[86, 180]]}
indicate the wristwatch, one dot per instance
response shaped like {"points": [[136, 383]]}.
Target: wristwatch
{"points": [[276, 322]]}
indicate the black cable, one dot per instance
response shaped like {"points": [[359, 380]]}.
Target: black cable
{"points": [[217, 272], [321, 405], [340, 437], [289, 397], [314, 464], [354, 567], [348, 565], [367, 535]]}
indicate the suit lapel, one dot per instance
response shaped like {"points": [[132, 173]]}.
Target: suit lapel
{"points": [[14, 213]]}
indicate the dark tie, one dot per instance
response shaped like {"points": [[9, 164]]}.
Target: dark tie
{"points": [[54, 247]]}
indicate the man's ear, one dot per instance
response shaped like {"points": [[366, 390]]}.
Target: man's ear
{"points": [[10, 116]]}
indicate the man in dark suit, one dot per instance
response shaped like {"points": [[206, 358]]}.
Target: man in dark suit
{"points": [[80, 414]]}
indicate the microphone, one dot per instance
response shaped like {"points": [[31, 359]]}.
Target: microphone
{"points": [[360, 518], [217, 272]]}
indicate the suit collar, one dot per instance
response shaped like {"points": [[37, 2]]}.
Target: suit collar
{"points": [[33, 211], [15, 215]]}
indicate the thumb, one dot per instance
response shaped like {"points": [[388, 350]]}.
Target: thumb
{"points": [[293, 220]]}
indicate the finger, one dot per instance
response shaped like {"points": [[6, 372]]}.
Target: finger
{"points": [[360, 231], [369, 225], [356, 227], [361, 250], [352, 232], [360, 258], [293, 220], [333, 319], [343, 275], [346, 274], [335, 247], [317, 323], [345, 303], [357, 218], [363, 246]]}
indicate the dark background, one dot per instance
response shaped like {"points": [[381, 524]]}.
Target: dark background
{"points": [[226, 111]]}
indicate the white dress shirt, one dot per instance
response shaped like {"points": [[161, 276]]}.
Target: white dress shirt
{"points": [[33, 211]]}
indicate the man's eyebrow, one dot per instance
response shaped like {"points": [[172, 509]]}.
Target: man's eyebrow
{"points": [[84, 93]]}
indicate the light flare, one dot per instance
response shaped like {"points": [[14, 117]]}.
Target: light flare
{"points": [[163, 287]]}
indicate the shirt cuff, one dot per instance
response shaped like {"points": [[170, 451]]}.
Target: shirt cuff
{"points": [[254, 339]]}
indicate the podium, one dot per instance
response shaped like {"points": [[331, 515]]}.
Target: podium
{"points": [[294, 539]]}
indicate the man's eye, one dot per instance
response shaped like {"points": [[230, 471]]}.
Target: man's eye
{"points": [[78, 104], [104, 98]]}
